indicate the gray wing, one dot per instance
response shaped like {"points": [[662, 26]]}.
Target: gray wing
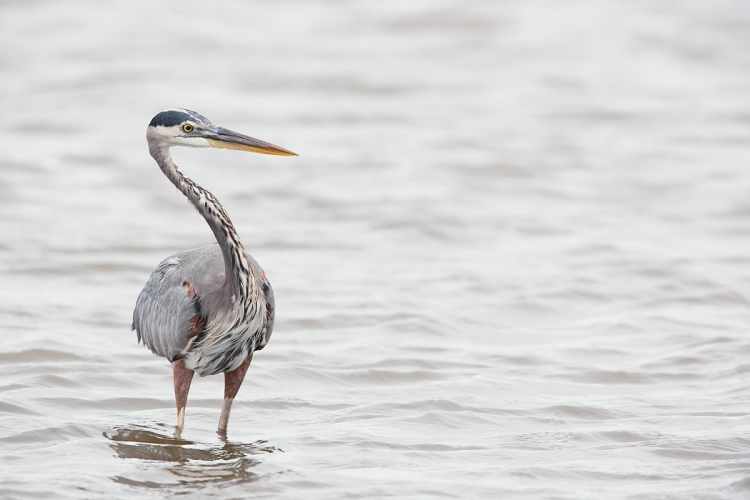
{"points": [[168, 312]]}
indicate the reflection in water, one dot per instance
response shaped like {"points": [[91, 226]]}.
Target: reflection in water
{"points": [[191, 462]]}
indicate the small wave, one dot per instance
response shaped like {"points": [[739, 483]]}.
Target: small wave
{"points": [[736, 448], [6, 407], [581, 412], [38, 356], [52, 435]]}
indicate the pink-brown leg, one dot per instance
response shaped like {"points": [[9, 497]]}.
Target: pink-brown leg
{"points": [[232, 382], [182, 379]]}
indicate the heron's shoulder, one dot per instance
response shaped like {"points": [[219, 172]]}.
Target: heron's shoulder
{"points": [[200, 254], [200, 269], [201, 257]]}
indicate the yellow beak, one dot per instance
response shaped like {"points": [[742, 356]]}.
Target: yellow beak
{"points": [[228, 139]]}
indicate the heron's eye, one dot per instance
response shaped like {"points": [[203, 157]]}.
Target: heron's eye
{"points": [[187, 128]]}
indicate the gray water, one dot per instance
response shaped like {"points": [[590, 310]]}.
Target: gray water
{"points": [[511, 260]]}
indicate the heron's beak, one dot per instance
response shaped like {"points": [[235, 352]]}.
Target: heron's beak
{"points": [[227, 139]]}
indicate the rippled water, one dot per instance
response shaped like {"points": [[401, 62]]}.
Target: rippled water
{"points": [[510, 262]]}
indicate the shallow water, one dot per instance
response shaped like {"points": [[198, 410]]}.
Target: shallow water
{"points": [[510, 262]]}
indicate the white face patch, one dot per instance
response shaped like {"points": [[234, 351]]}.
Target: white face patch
{"points": [[193, 142], [174, 136]]}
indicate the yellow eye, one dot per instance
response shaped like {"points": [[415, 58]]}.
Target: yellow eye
{"points": [[187, 128]]}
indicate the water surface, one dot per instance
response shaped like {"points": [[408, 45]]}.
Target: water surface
{"points": [[510, 262]]}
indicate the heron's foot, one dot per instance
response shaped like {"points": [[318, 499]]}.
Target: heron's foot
{"points": [[222, 434], [182, 379], [232, 382], [180, 423], [224, 419]]}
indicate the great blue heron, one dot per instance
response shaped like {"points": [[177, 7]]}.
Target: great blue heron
{"points": [[208, 309]]}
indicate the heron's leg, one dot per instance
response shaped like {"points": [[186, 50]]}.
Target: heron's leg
{"points": [[232, 382], [182, 379]]}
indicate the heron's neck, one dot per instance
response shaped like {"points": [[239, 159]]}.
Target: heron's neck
{"points": [[238, 274]]}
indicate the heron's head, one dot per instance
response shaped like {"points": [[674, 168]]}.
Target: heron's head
{"points": [[182, 127]]}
